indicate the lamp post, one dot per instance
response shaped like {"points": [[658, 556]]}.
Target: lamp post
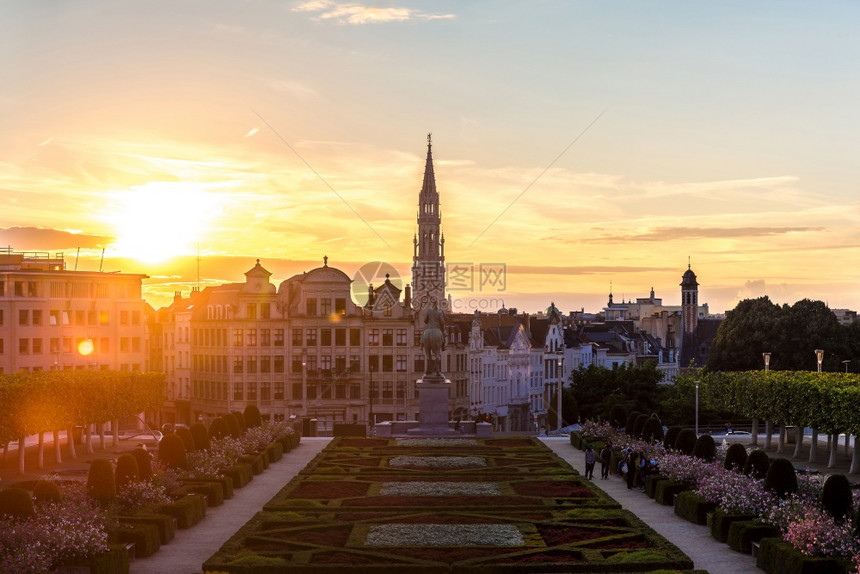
{"points": [[304, 387], [768, 430], [846, 363], [819, 355], [697, 408], [372, 421], [560, 374]]}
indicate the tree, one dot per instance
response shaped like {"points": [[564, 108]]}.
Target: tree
{"points": [[753, 327], [597, 389]]}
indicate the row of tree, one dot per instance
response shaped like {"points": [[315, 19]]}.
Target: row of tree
{"points": [[50, 401]]}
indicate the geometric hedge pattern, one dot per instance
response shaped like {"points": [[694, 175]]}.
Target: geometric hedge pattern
{"points": [[478, 506]]}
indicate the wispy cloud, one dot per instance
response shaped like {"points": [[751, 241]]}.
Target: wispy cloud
{"points": [[683, 233], [358, 14], [251, 132]]}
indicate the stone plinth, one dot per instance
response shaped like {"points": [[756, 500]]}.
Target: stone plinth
{"points": [[433, 408]]}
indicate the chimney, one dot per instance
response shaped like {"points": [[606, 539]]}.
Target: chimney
{"points": [[407, 295], [177, 295]]}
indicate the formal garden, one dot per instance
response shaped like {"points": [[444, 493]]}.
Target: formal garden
{"points": [[504, 504], [133, 504], [793, 521]]}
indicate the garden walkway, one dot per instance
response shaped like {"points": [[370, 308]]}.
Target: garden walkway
{"points": [[694, 540]]}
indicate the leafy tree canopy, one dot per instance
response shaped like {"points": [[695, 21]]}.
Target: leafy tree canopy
{"points": [[597, 389]]}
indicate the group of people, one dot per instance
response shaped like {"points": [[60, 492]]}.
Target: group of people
{"points": [[633, 466]]}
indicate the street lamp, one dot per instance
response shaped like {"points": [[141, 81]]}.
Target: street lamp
{"points": [[766, 361], [304, 387], [819, 354], [846, 363], [560, 374], [697, 408], [372, 421]]}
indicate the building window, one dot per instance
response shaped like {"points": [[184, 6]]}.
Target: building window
{"points": [[387, 363], [265, 310], [265, 337], [24, 346], [23, 316], [355, 337], [325, 307], [373, 363], [296, 365], [104, 345], [279, 363], [311, 305], [265, 364], [265, 391], [237, 365], [401, 363], [80, 317], [104, 318], [135, 344], [355, 363], [297, 338], [251, 313], [340, 306], [91, 317], [251, 367], [135, 317], [1, 316], [340, 391], [340, 337], [373, 337], [325, 364], [355, 391], [19, 288], [251, 337], [237, 390], [37, 346], [387, 390], [123, 345], [279, 337], [419, 363], [279, 390], [388, 337], [325, 337], [123, 317], [340, 364], [401, 337], [311, 337], [297, 391], [252, 390], [416, 339], [237, 337]]}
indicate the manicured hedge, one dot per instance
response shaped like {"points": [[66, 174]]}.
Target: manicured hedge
{"points": [[692, 507], [666, 491], [743, 533], [720, 523], [777, 556]]}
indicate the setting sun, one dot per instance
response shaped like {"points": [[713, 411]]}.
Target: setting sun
{"points": [[159, 220]]}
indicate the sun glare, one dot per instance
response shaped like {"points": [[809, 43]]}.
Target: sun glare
{"points": [[160, 220]]}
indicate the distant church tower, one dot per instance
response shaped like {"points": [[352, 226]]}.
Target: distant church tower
{"points": [[428, 259], [689, 302]]}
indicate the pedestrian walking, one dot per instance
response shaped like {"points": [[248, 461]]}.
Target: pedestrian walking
{"points": [[605, 460], [589, 462]]}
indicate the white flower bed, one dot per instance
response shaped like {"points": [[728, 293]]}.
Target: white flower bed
{"points": [[436, 442], [444, 535], [439, 489], [437, 461]]}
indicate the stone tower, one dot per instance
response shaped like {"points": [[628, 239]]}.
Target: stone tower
{"points": [[428, 258], [689, 302]]}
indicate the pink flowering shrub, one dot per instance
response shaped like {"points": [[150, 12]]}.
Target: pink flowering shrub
{"points": [[735, 493], [792, 509], [59, 532], [601, 431], [856, 562], [139, 495], [682, 468], [816, 533]]}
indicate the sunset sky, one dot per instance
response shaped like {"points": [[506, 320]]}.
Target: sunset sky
{"points": [[727, 133]]}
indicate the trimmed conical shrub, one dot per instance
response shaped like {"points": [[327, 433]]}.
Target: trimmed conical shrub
{"points": [[630, 423], [240, 418], [252, 417], [757, 464], [126, 471], [171, 451], [144, 463], [736, 457], [101, 484], [781, 478], [187, 438], [653, 430], [16, 502], [235, 429], [47, 491], [705, 448], [671, 437], [639, 424], [201, 436], [219, 428], [686, 441], [836, 497], [617, 416]]}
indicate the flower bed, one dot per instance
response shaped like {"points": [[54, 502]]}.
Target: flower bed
{"points": [[482, 519]]}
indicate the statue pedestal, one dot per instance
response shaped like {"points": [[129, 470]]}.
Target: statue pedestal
{"points": [[433, 394]]}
